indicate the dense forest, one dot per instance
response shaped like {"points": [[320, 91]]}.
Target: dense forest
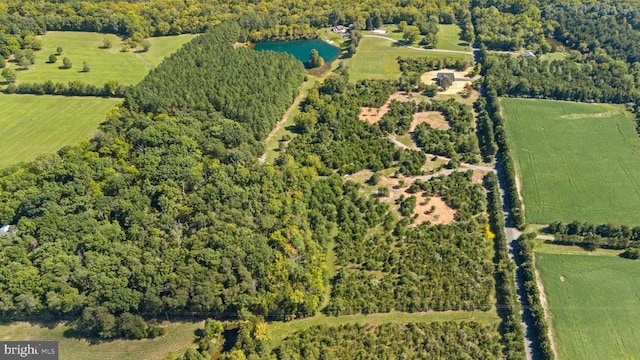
{"points": [[165, 213]]}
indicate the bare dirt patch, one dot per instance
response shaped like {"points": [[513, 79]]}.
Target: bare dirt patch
{"points": [[434, 210], [373, 115], [429, 78], [477, 177], [435, 119]]}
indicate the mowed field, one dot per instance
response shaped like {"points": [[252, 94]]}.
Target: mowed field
{"points": [[178, 338], [31, 125], [594, 302], [377, 59], [106, 64], [575, 161]]}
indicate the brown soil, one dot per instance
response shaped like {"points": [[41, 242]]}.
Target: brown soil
{"points": [[442, 213], [434, 118], [429, 78], [477, 176], [373, 115]]}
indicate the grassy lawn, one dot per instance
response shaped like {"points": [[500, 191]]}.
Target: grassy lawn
{"points": [[575, 161], [596, 309], [280, 330], [449, 38], [106, 64], [31, 125], [377, 59], [179, 337], [554, 56]]}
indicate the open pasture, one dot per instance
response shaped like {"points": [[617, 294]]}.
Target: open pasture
{"points": [[31, 125], [594, 303], [179, 337], [376, 58], [105, 64], [575, 161]]}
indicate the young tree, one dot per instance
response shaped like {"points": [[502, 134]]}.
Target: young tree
{"points": [[3, 62], [66, 63], [106, 43], [402, 26], [315, 60], [85, 67], [53, 59], [411, 34], [9, 75], [146, 45], [59, 50]]}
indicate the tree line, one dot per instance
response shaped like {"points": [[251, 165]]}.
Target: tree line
{"points": [[507, 303], [526, 269], [595, 235], [71, 88]]}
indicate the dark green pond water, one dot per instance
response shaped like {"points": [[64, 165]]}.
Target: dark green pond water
{"points": [[301, 48]]}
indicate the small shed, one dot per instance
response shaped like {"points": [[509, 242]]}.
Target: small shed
{"points": [[5, 229], [528, 54], [441, 76], [379, 31]]}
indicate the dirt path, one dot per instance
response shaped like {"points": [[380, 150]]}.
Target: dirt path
{"points": [[281, 123], [545, 307], [421, 49]]}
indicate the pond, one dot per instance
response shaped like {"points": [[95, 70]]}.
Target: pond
{"points": [[301, 48]]}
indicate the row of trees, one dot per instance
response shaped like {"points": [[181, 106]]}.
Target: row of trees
{"points": [[592, 236], [526, 270], [72, 88], [260, 20], [508, 305], [504, 155]]}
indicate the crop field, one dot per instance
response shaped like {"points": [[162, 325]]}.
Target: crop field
{"points": [[575, 161], [31, 125], [105, 64], [178, 338], [377, 59], [594, 302]]}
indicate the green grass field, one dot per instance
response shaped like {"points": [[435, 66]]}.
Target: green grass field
{"points": [[575, 161], [106, 64], [596, 309], [377, 59], [31, 125], [178, 338], [449, 38]]}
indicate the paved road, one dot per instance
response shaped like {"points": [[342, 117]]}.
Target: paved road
{"points": [[512, 235], [417, 48]]}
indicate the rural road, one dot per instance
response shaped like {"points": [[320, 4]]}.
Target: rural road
{"points": [[463, 165], [417, 48], [512, 235]]}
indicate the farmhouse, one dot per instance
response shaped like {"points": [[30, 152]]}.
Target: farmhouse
{"points": [[379, 31], [343, 31], [441, 76], [528, 54]]}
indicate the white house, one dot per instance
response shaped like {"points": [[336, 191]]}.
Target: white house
{"points": [[379, 31]]}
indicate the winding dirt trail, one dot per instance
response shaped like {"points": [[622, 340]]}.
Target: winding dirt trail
{"points": [[280, 124]]}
